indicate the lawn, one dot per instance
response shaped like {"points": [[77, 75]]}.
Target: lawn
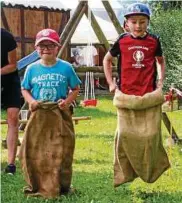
{"points": [[93, 165]]}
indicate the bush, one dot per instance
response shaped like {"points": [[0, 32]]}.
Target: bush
{"points": [[168, 25]]}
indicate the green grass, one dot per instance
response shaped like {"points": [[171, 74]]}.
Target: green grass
{"points": [[93, 165]]}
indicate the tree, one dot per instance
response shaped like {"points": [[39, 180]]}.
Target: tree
{"points": [[168, 25]]}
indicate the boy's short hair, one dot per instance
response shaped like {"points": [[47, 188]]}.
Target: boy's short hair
{"points": [[47, 34], [137, 9]]}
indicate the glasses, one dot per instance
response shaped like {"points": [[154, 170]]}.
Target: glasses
{"points": [[46, 46]]}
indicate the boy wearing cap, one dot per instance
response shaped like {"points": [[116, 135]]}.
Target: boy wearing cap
{"points": [[139, 53], [38, 74], [138, 146], [48, 165]]}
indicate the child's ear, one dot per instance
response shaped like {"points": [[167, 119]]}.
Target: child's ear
{"points": [[148, 22], [126, 23]]}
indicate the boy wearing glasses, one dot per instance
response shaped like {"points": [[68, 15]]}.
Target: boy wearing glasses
{"points": [[47, 151]]}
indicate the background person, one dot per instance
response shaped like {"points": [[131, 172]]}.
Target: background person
{"points": [[10, 94], [85, 56]]}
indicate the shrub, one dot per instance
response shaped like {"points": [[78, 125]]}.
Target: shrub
{"points": [[168, 25]]}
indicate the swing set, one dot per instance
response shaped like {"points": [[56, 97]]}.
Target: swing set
{"points": [[89, 90], [84, 7]]}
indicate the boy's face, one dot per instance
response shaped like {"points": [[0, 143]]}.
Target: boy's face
{"points": [[137, 25], [47, 50]]}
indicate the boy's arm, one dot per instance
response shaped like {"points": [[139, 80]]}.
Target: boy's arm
{"points": [[71, 97], [33, 104], [160, 63], [107, 63]]}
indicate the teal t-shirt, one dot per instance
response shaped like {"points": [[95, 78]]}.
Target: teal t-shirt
{"points": [[50, 83]]}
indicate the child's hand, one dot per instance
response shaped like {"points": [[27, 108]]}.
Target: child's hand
{"points": [[113, 87], [33, 105], [62, 103]]}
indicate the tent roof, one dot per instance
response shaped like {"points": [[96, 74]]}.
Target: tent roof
{"points": [[50, 4], [85, 34]]}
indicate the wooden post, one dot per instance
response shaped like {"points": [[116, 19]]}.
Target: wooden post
{"points": [[100, 69], [168, 125], [71, 25], [72, 20], [113, 17], [22, 23], [98, 31]]}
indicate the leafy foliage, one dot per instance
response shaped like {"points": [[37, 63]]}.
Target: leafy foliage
{"points": [[166, 5], [168, 25]]}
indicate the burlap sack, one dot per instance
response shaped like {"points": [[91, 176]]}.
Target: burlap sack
{"points": [[46, 153], [138, 145]]}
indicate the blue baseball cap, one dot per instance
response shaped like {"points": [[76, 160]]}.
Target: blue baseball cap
{"points": [[137, 9]]}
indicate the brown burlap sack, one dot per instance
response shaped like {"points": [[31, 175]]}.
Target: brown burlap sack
{"points": [[138, 145], [46, 153]]}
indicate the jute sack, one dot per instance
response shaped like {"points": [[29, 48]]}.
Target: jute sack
{"points": [[139, 150], [46, 153]]}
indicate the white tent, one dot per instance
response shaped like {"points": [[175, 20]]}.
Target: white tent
{"points": [[84, 32]]}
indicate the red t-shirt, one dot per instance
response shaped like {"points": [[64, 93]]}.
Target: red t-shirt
{"points": [[136, 63]]}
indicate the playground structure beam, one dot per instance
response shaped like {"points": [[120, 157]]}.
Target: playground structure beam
{"points": [[71, 26], [113, 17], [98, 31], [100, 69]]}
